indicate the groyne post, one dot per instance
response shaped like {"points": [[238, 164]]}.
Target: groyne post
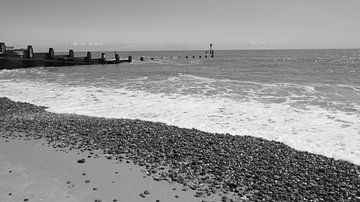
{"points": [[2, 48], [211, 51], [117, 58], [103, 58], [88, 57], [130, 58], [51, 54], [29, 52], [71, 53]]}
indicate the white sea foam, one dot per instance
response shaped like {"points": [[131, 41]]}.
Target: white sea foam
{"points": [[333, 133]]}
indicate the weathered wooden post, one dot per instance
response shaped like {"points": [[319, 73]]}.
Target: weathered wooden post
{"points": [[211, 51], [141, 58], [88, 57], [103, 58], [51, 54], [30, 52], [2, 48], [71, 53], [117, 58], [130, 58], [187, 57]]}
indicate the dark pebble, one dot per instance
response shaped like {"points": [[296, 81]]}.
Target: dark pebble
{"points": [[238, 165], [81, 161], [142, 195], [87, 181], [146, 192]]}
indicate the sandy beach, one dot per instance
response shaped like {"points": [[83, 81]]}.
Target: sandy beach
{"points": [[31, 170], [63, 157]]}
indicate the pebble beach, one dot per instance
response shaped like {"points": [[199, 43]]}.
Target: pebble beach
{"points": [[207, 166]]}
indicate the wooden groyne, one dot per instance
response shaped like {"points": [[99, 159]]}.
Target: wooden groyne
{"points": [[11, 58]]}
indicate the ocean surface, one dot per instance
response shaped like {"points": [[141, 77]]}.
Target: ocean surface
{"points": [[307, 99]]}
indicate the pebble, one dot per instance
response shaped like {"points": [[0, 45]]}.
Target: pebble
{"points": [[81, 161], [237, 165]]}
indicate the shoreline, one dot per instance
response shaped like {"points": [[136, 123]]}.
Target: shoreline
{"points": [[213, 165]]}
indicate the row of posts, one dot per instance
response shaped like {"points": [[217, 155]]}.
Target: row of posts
{"points": [[29, 54]]}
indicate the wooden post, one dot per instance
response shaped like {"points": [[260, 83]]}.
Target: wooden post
{"points": [[211, 51], [51, 54], [71, 53], [130, 58], [2, 49], [29, 52], [88, 57], [117, 58], [103, 58]]}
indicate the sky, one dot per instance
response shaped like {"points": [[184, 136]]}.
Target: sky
{"points": [[180, 24]]}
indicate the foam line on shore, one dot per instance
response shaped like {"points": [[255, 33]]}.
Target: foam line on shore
{"points": [[311, 128]]}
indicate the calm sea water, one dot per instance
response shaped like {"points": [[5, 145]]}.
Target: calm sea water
{"points": [[307, 99]]}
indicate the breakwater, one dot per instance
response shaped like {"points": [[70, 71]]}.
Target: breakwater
{"points": [[24, 58], [11, 58]]}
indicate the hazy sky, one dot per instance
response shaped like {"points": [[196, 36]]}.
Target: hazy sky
{"points": [[168, 24]]}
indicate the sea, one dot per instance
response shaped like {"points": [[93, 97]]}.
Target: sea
{"points": [[307, 99]]}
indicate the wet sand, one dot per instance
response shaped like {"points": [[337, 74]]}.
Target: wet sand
{"points": [[53, 150], [29, 169]]}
